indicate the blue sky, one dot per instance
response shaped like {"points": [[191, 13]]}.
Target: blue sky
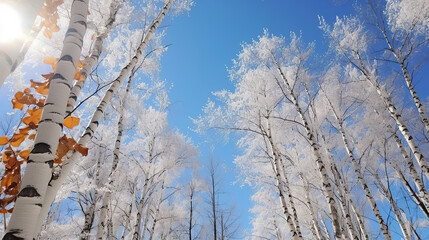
{"points": [[203, 45]]}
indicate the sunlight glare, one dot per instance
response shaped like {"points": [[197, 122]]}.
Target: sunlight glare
{"points": [[10, 24]]}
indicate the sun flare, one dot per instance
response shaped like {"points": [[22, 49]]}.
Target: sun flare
{"points": [[10, 24]]}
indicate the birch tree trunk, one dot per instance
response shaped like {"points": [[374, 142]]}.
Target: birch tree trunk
{"points": [[90, 210], [89, 218], [30, 200], [68, 164], [315, 228], [276, 158], [10, 51], [402, 61], [106, 197], [92, 59], [411, 191], [291, 202], [396, 210], [337, 175], [417, 180], [384, 228], [343, 200], [396, 116], [327, 188], [127, 223], [155, 218]]}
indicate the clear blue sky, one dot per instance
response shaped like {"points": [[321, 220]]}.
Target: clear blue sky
{"points": [[204, 44]]}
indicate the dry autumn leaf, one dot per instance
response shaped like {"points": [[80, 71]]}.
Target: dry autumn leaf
{"points": [[4, 140], [17, 139], [82, 150], [24, 154], [34, 116], [50, 60], [71, 122]]}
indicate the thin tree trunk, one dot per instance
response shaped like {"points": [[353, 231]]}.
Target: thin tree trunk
{"points": [[89, 218], [56, 181], [392, 202], [401, 61], [282, 194], [327, 188], [291, 202], [146, 220], [90, 210], [155, 218], [413, 194], [127, 222], [337, 175], [384, 228], [92, 59], [397, 117], [315, 227], [10, 51], [328, 236], [107, 194], [191, 201], [417, 180], [40, 162]]}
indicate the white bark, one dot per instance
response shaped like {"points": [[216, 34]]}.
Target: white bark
{"points": [[10, 51], [106, 197], [315, 228], [291, 201], [92, 59], [276, 158], [396, 211], [337, 175], [327, 188], [30, 200], [417, 180], [402, 61], [56, 181], [411, 191], [384, 228], [155, 218], [396, 116]]}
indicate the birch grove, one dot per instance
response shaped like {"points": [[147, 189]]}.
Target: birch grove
{"points": [[331, 138]]}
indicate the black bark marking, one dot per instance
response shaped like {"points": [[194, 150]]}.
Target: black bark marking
{"points": [[83, 23], [50, 163], [65, 58], [41, 148], [28, 191], [10, 235]]}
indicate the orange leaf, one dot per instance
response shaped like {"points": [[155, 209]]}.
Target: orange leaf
{"points": [[80, 64], [17, 105], [35, 115], [17, 139], [41, 103], [82, 150], [64, 146], [78, 74], [24, 154], [49, 60], [48, 76], [93, 36], [71, 122], [4, 140], [32, 136], [47, 33]]}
